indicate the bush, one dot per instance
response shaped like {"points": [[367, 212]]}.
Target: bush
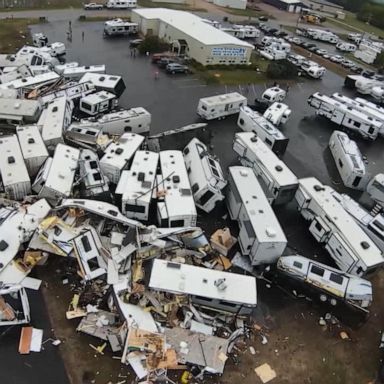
{"points": [[281, 69], [153, 44]]}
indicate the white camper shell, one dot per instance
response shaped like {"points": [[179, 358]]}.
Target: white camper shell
{"points": [[175, 206], [19, 111], [274, 94], [99, 102], [205, 175], [136, 186], [252, 121], [375, 188], [278, 113], [118, 155], [345, 116], [278, 182], [349, 161], [135, 120], [217, 290], [330, 224], [14, 173], [332, 285], [72, 92], [121, 4], [74, 73], [32, 147], [110, 83], [260, 236], [346, 47], [118, 27], [60, 175], [216, 107]]}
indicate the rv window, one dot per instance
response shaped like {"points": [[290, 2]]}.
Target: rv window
{"points": [[112, 213], [249, 229], [188, 170], [186, 151], [226, 304], [135, 208], [90, 133], [318, 226], [204, 107], [340, 163], [356, 124], [356, 182], [195, 188], [297, 264], [269, 142], [86, 245], [203, 298], [317, 270], [371, 130], [241, 121], [177, 223], [336, 278], [86, 106], [206, 197], [97, 176], [378, 225], [93, 164]]}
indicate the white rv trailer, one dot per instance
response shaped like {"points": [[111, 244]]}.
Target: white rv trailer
{"points": [[349, 161], [277, 113], [14, 173], [110, 83], [118, 27], [135, 120], [39, 39], [345, 116], [375, 188], [136, 186], [346, 47], [84, 132], [175, 206], [365, 85], [274, 52], [378, 93], [252, 121], [274, 94], [248, 31], [205, 175], [260, 235], [91, 177], [32, 147], [74, 73], [220, 291], [19, 111], [373, 225], [320, 34], [314, 71], [121, 4], [55, 119], [17, 61], [13, 73], [72, 92], [117, 156], [61, 67], [331, 284], [278, 182], [219, 106], [60, 175], [330, 224], [9, 94], [99, 102]]}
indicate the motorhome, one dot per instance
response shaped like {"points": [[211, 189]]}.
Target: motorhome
{"points": [[54, 120], [278, 182], [110, 83], [75, 73], [220, 106], [135, 120], [322, 35], [136, 186], [328, 284], [121, 4], [331, 225], [93, 182], [117, 156], [19, 111], [217, 290], [84, 132], [274, 94], [252, 121], [118, 27], [175, 205], [205, 175], [32, 147], [72, 92], [14, 173], [349, 161], [375, 189], [57, 175], [345, 47], [345, 116], [260, 236], [278, 113], [98, 102]]}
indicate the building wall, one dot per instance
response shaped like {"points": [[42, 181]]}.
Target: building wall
{"points": [[146, 25], [237, 4], [170, 1], [322, 7]]}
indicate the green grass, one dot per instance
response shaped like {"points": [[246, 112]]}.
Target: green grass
{"points": [[245, 12], [182, 7], [100, 18], [44, 4], [14, 33]]}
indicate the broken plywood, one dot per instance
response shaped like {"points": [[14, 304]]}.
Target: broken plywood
{"points": [[265, 373]]}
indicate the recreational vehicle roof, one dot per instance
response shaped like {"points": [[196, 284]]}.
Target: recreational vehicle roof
{"points": [[98, 97], [125, 114], [260, 213], [353, 234], [192, 280], [118, 23], [8, 94], [31, 142], [226, 98], [100, 80], [80, 71], [19, 109], [32, 81]]}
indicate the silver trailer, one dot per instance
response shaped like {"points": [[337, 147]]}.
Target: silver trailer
{"points": [[102, 82]]}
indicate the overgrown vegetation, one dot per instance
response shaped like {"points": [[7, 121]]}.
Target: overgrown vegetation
{"points": [[372, 14], [153, 44], [281, 69], [379, 62], [183, 7], [15, 5]]}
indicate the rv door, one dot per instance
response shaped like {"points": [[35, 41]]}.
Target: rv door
{"points": [[239, 148], [337, 116], [302, 199], [319, 229]]}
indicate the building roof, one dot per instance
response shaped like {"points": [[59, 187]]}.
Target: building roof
{"points": [[192, 25]]}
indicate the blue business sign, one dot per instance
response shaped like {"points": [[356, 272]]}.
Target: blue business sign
{"points": [[234, 52]]}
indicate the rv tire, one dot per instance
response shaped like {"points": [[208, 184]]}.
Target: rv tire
{"points": [[333, 302], [323, 298]]}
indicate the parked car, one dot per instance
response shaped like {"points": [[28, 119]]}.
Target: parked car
{"points": [[313, 49], [347, 63], [156, 57], [357, 69], [95, 6], [336, 58], [162, 63], [321, 52], [177, 68], [263, 18], [271, 31]]}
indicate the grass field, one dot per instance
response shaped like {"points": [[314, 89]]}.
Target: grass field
{"points": [[244, 12], [183, 7], [20, 5]]}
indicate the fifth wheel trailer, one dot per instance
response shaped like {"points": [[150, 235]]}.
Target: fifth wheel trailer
{"points": [[349, 246]]}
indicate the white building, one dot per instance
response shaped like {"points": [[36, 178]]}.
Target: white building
{"points": [[191, 36]]}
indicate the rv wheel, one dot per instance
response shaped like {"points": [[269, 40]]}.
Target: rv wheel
{"points": [[173, 72], [323, 298], [333, 302]]}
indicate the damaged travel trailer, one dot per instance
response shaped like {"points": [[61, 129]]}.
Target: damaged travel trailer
{"points": [[19, 111], [119, 27], [220, 106], [252, 121], [205, 175], [76, 73], [32, 147], [137, 186], [14, 305], [349, 161], [175, 205], [14, 173], [278, 182], [375, 188], [274, 94], [72, 92], [118, 156], [278, 113], [349, 246], [99, 102], [261, 236], [84, 132], [345, 116], [216, 290], [328, 284], [102, 82]]}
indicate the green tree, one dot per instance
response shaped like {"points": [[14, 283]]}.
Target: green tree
{"points": [[281, 69], [152, 44], [379, 62]]}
